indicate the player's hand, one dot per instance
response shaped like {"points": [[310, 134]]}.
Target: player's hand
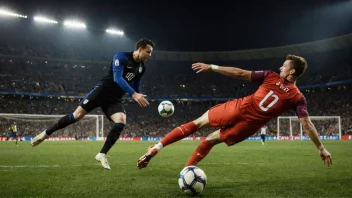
{"points": [[201, 67], [325, 156], [140, 99]]}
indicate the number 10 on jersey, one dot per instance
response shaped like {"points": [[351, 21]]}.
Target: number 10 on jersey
{"points": [[270, 94]]}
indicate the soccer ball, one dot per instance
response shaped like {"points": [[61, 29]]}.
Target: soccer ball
{"points": [[166, 108], [192, 180]]}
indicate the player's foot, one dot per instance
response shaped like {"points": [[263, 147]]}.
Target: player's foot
{"points": [[101, 157], [144, 160], [263, 143], [39, 139]]}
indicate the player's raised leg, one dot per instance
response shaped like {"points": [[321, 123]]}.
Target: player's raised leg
{"points": [[90, 102], [78, 114], [231, 135], [175, 135]]}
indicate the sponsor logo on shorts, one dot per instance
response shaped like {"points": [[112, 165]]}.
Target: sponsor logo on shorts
{"points": [[117, 63], [85, 101]]}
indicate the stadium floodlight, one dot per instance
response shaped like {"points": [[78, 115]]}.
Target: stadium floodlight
{"points": [[114, 31], [8, 13], [74, 24], [44, 19]]}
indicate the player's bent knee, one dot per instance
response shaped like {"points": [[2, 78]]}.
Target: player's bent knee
{"points": [[214, 141], [119, 118], [214, 138], [202, 121], [77, 116], [79, 113]]}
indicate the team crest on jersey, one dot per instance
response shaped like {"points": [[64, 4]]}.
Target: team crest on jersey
{"points": [[85, 101], [117, 63], [140, 69]]}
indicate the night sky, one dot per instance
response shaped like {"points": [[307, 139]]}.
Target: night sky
{"points": [[215, 26]]}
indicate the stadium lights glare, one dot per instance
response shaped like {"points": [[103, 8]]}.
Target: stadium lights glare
{"points": [[44, 19], [74, 24], [8, 13], [113, 31]]}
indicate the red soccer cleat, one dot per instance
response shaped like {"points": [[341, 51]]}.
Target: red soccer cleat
{"points": [[144, 160]]}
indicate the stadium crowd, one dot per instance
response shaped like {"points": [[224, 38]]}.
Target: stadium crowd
{"points": [[147, 122], [35, 64], [162, 79]]}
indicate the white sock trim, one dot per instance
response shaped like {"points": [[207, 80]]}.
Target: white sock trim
{"points": [[159, 145]]}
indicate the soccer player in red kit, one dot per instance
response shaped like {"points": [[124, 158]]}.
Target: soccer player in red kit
{"points": [[240, 118]]}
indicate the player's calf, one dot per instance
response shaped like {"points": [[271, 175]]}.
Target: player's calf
{"points": [[61, 123]]}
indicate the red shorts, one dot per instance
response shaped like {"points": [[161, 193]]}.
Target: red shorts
{"points": [[233, 123]]}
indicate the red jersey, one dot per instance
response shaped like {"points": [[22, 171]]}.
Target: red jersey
{"points": [[274, 97]]}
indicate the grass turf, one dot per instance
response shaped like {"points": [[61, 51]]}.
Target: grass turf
{"points": [[277, 169]]}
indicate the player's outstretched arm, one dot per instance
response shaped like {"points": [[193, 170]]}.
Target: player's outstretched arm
{"points": [[313, 135], [226, 71]]}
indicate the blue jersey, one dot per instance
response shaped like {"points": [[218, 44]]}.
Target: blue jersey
{"points": [[124, 74]]}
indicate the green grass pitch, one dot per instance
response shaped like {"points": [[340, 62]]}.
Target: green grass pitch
{"points": [[277, 169]]}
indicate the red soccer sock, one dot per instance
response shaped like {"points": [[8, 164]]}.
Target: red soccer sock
{"points": [[201, 151], [179, 133]]}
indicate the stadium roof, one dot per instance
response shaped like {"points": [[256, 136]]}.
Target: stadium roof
{"points": [[325, 45]]}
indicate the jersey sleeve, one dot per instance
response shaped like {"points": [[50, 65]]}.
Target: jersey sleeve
{"points": [[118, 64], [301, 108], [259, 76]]}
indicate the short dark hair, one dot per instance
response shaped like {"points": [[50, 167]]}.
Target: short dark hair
{"points": [[298, 63], [143, 43]]}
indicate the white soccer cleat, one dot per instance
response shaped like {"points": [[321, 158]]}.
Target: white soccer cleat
{"points": [[39, 139], [101, 157]]}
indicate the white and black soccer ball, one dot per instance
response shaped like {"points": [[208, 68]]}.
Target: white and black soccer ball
{"points": [[192, 180], [166, 108]]}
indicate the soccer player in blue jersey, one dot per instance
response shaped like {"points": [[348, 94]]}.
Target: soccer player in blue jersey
{"points": [[124, 75]]}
